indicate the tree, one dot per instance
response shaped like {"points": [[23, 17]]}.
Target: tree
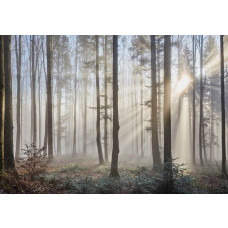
{"points": [[223, 108], [105, 102], [33, 100], [2, 103], [18, 61], [115, 151], [154, 125], [49, 95], [193, 103], [8, 131], [100, 155], [167, 113], [201, 101], [75, 99]]}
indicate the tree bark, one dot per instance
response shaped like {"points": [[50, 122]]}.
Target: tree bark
{"points": [[105, 103], [75, 101], [115, 152], [201, 101], [8, 138], [193, 104], [154, 111], [167, 113], [49, 95], [223, 108], [18, 60], [99, 148], [2, 104]]}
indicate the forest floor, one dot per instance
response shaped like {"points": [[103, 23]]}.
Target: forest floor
{"points": [[84, 176]]}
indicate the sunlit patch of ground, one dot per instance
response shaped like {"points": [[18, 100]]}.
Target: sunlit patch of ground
{"points": [[83, 175]]}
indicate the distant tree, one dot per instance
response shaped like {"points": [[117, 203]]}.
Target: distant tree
{"points": [[99, 148], [33, 92], [193, 102], [49, 95], [2, 103], [154, 124], [75, 99], [167, 113], [18, 61], [223, 108], [115, 151], [201, 101], [105, 101], [8, 138]]}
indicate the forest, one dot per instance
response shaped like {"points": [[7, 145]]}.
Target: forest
{"points": [[103, 114]]}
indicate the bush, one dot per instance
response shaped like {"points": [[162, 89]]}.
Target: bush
{"points": [[33, 163]]}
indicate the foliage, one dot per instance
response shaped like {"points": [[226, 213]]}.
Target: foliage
{"points": [[32, 163]]}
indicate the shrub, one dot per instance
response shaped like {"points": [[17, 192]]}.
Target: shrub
{"points": [[33, 163]]}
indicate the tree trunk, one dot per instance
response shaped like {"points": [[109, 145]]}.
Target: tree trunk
{"points": [[154, 112], [75, 101], [33, 100], [115, 152], [193, 104], [49, 95], [18, 60], [2, 104], [201, 101], [100, 155], [223, 108], [8, 138], [167, 113], [141, 101], [105, 104], [59, 94]]}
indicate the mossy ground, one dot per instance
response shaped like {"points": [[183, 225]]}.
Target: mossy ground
{"points": [[79, 175]]}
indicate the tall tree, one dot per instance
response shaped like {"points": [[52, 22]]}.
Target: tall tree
{"points": [[8, 138], [49, 95], [2, 103], [201, 101], [105, 102], [154, 124], [99, 148], [115, 151], [223, 108], [167, 113], [18, 61], [33, 100], [193, 103], [75, 99]]}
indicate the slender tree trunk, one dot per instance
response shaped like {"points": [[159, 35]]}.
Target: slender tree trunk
{"points": [[2, 104], [115, 151], [154, 125], [34, 92], [141, 100], [8, 138], [223, 108], [212, 123], [49, 95], [75, 102], [105, 104], [193, 105], [99, 148], [167, 113], [159, 94], [59, 94], [18, 60], [201, 101], [40, 117], [85, 113]]}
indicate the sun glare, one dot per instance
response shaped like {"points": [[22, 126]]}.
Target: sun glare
{"points": [[183, 84]]}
